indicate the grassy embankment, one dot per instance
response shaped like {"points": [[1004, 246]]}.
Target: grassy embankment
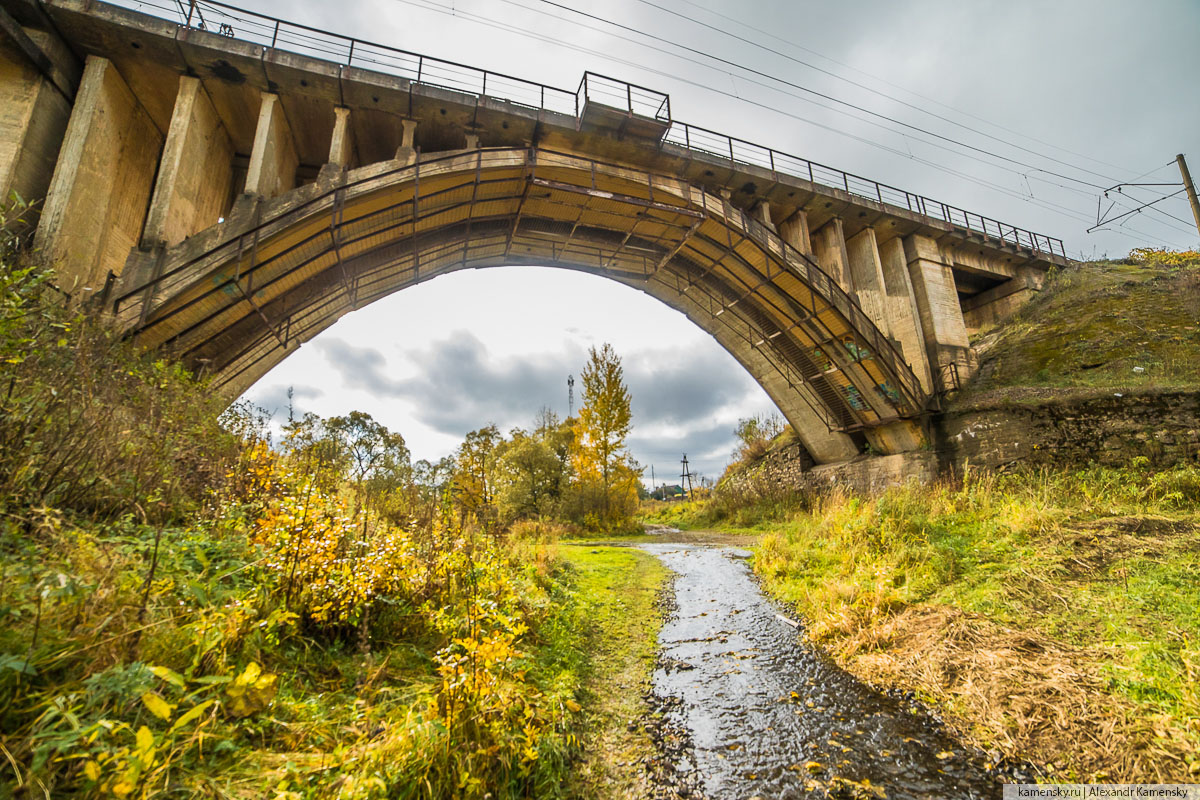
{"points": [[185, 611], [1053, 615]]}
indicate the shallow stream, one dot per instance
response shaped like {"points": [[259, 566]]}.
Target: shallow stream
{"points": [[768, 716]]}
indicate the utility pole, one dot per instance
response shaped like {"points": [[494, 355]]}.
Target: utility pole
{"points": [[1191, 189], [653, 483], [570, 395]]}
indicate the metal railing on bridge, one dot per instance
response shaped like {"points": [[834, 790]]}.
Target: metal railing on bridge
{"points": [[640, 102]]}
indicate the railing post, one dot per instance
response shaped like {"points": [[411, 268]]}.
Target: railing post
{"points": [[191, 10], [629, 97], [350, 55], [484, 90], [275, 35], [420, 67], [771, 153]]}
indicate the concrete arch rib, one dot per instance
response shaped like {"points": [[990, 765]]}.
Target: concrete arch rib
{"points": [[238, 298]]}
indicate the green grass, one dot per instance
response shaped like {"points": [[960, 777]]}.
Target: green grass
{"points": [[617, 588], [1101, 560], [1096, 326]]}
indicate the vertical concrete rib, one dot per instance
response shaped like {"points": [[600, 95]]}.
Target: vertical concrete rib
{"points": [[195, 175], [100, 192], [33, 120], [941, 316], [866, 272], [341, 144], [829, 248], [273, 160], [902, 310], [794, 231]]}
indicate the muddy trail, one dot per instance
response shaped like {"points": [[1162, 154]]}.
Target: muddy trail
{"points": [[749, 710]]}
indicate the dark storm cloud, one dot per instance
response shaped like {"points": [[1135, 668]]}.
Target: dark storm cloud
{"points": [[459, 386], [679, 386]]}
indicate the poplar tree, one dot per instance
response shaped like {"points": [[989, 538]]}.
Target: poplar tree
{"points": [[604, 421]]}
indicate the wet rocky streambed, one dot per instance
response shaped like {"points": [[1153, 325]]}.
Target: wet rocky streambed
{"points": [[746, 709]]}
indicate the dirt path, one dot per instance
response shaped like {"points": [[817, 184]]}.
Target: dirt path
{"points": [[752, 711]]}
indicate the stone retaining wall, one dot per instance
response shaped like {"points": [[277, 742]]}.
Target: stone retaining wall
{"points": [[1060, 432]]}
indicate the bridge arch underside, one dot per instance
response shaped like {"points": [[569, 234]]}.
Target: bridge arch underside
{"points": [[236, 299]]}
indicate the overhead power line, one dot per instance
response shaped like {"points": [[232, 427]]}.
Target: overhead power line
{"points": [[814, 92], [1066, 211], [905, 89], [872, 90]]}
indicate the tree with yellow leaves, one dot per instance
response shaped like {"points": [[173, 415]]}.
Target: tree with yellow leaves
{"points": [[606, 472]]}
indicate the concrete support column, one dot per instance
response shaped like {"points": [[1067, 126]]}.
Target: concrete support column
{"points": [[902, 310], [942, 323], [99, 195], [273, 160], [33, 121], [794, 231], [407, 153], [195, 175], [829, 248], [866, 272], [341, 147], [762, 212]]}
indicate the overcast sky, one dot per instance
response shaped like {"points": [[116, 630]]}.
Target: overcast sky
{"points": [[1047, 104]]}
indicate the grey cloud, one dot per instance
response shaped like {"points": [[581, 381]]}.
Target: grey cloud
{"points": [[458, 386], [708, 451], [676, 386], [360, 367]]}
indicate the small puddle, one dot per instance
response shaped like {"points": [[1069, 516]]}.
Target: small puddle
{"points": [[771, 717]]}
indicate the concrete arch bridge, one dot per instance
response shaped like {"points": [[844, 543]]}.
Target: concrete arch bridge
{"points": [[227, 199]]}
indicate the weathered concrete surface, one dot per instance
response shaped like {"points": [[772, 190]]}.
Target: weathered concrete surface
{"points": [[33, 121], [903, 316], [829, 247], [101, 187], [195, 176], [942, 325], [866, 274], [273, 161], [1000, 302]]}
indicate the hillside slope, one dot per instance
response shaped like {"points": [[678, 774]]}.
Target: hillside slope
{"points": [[1102, 326]]}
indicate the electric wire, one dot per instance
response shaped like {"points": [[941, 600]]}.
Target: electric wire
{"points": [[830, 73], [814, 92], [1066, 211]]}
